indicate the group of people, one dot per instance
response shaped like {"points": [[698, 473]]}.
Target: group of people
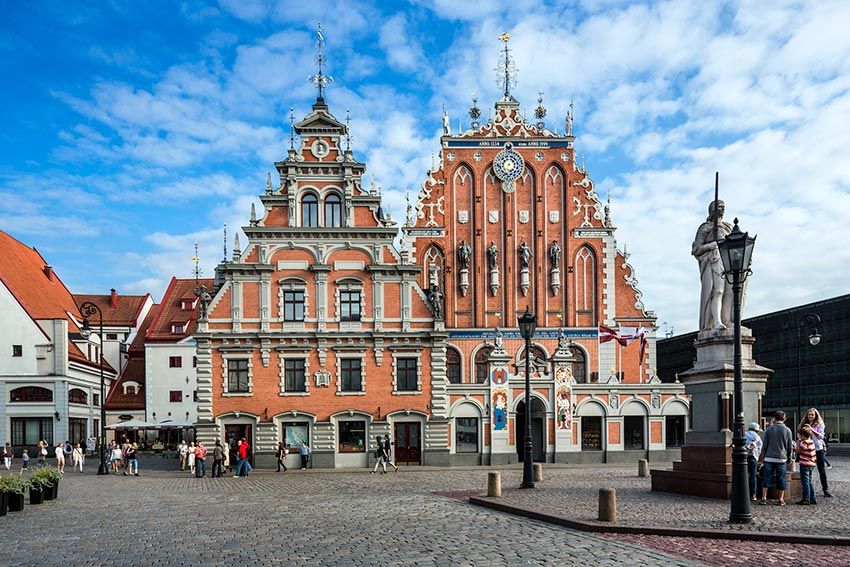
{"points": [[769, 458], [194, 458], [62, 452], [124, 456], [383, 454], [283, 451]]}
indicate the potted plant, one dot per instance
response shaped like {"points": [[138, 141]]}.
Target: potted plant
{"points": [[51, 476], [4, 499], [15, 487], [38, 484]]}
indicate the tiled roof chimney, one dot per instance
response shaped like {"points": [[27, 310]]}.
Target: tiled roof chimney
{"points": [[113, 298], [48, 271]]}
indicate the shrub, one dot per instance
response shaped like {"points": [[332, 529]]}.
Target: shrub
{"points": [[40, 480], [14, 484]]}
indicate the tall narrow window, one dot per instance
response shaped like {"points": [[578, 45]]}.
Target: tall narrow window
{"points": [[406, 378], [294, 375], [482, 366], [309, 210], [585, 281], [333, 210], [579, 367], [352, 375], [293, 305], [453, 366], [237, 376], [349, 305]]}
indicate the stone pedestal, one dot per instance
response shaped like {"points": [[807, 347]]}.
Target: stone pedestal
{"points": [[706, 465]]}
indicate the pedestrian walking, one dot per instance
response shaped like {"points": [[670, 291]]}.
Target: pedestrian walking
{"points": [[68, 449], [59, 451], [753, 445], [8, 455], [388, 452], [778, 445], [25, 460], [200, 460], [304, 452], [814, 421], [218, 459], [808, 462], [243, 468], [380, 456], [78, 458], [190, 460], [131, 458], [183, 451], [41, 459], [281, 456]]}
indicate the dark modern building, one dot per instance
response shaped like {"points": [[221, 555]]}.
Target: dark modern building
{"points": [[784, 343]]}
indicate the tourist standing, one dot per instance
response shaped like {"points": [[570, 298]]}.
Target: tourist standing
{"points": [[380, 456], [814, 421], [190, 459], [753, 444], [218, 459], [42, 454], [304, 451], [183, 451], [808, 462], [8, 454], [778, 444], [281, 456], [388, 450], [60, 458], [200, 460], [132, 460], [116, 457], [77, 456]]}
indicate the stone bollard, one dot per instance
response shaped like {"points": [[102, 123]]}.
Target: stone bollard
{"points": [[607, 505], [494, 484], [538, 472], [643, 467]]}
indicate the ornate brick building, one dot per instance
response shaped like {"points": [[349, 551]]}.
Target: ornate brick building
{"points": [[321, 330]]}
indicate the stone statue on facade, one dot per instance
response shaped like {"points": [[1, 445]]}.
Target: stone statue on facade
{"points": [[716, 293], [524, 255], [204, 301], [435, 298], [493, 256], [464, 252], [555, 254]]}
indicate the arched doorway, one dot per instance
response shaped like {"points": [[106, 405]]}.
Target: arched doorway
{"points": [[538, 429]]}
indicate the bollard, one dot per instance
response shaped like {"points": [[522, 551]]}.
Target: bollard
{"points": [[538, 472], [607, 505], [494, 484], [643, 467]]}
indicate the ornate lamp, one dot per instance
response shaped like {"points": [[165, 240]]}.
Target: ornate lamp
{"points": [[527, 324]]}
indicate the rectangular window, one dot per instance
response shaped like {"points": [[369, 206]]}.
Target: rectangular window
{"points": [[293, 305], [194, 362], [295, 433], [175, 396], [406, 375], [17, 350], [352, 436], [95, 428], [349, 305], [194, 395], [591, 434], [352, 375], [95, 399], [177, 329], [175, 362], [633, 432], [237, 375], [111, 336], [294, 377], [30, 430], [77, 429], [466, 435], [675, 425]]}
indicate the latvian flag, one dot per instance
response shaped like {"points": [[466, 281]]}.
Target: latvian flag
{"points": [[625, 337]]}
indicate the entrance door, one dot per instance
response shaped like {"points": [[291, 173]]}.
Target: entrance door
{"points": [[233, 433], [538, 428], [408, 443]]}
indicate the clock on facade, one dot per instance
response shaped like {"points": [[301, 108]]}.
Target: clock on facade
{"points": [[508, 167]]}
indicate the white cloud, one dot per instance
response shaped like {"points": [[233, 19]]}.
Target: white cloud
{"points": [[402, 50]]}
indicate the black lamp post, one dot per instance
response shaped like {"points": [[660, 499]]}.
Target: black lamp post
{"points": [[87, 309], [736, 251], [810, 321], [527, 325]]}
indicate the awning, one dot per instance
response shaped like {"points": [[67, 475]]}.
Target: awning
{"points": [[174, 424], [131, 424]]}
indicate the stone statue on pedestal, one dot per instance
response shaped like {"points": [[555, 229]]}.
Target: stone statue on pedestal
{"points": [[463, 254], [716, 293]]}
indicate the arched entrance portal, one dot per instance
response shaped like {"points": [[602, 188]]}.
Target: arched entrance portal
{"points": [[538, 429]]}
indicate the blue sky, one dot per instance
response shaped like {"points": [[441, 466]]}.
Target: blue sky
{"points": [[132, 130]]}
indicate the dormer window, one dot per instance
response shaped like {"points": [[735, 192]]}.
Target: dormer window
{"points": [[178, 328], [188, 304]]}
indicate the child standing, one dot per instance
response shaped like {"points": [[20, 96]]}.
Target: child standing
{"points": [[25, 460], [808, 462]]}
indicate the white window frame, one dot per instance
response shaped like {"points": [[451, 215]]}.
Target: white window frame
{"points": [[300, 356], [292, 284], [362, 358], [225, 358], [408, 354]]}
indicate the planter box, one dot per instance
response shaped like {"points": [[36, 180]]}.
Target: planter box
{"points": [[16, 502], [48, 493], [56, 490], [36, 496], [4, 503]]}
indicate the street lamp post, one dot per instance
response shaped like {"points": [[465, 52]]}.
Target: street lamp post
{"points": [[811, 321], [736, 252], [87, 309], [527, 325]]}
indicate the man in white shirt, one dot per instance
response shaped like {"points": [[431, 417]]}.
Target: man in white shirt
{"points": [[183, 451]]}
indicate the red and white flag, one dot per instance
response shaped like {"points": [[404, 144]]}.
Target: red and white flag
{"points": [[607, 334]]}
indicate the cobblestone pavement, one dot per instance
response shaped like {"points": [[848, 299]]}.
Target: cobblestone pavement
{"points": [[315, 518], [333, 517]]}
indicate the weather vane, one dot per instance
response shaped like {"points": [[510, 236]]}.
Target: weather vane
{"points": [[506, 71], [320, 80], [347, 129], [196, 259]]}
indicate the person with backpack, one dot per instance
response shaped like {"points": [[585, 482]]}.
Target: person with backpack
{"points": [[753, 444], [380, 460]]}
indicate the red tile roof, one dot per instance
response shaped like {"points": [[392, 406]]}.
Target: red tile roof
{"points": [[118, 310], [38, 289], [171, 311], [134, 371]]}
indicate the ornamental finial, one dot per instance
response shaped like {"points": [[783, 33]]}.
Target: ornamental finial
{"points": [[320, 80], [269, 183], [347, 129], [224, 248], [196, 259], [569, 120], [474, 111], [540, 111], [506, 70]]}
